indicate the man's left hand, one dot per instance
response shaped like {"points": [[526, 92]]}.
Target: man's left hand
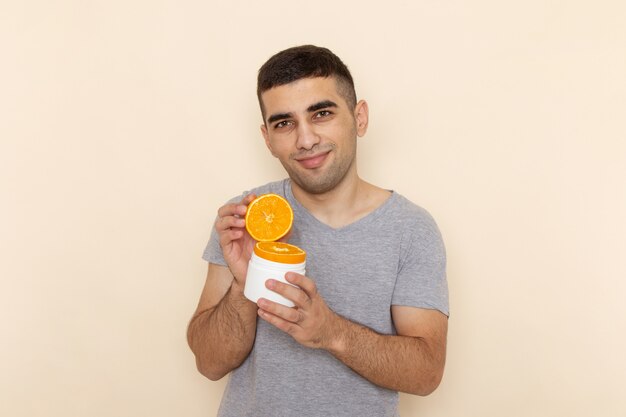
{"points": [[310, 322]]}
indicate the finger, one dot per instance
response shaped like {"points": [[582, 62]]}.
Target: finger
{"points": [[229, 222], [232, 209], [284, 325], [305, 283], [229, 235], [279, 310], [235, 209], [299, 298], [247, 199]]}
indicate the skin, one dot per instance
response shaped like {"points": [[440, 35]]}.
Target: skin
{"points": [[222, 330], [312, 131]]}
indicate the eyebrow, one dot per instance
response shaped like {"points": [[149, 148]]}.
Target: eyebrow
{"points": [[278, 116], [312, 108], [321, 105]]}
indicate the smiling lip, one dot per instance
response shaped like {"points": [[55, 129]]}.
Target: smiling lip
{"points": [[314, 161]]}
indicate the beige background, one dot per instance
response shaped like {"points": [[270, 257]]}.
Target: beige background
{"points": [[125, 124]]}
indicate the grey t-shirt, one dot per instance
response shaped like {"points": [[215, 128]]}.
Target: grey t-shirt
{"points": [[393, 256]]}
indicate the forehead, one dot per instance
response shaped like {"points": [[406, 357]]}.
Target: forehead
{"points": [[300, 94]]}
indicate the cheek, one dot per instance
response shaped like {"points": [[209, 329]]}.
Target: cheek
{"points": [[279, 148], [341, 135], [343, 127]]}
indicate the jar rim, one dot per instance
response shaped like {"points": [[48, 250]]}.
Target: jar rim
{"points": [[280, 252]]}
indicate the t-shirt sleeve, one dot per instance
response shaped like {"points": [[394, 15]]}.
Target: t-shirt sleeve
{"points": [[213, 251], [421, 280]]}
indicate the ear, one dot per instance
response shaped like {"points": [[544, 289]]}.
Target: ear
{"points": [[361, 115], [266, 136]]}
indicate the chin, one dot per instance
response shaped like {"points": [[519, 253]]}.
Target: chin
{"points": [[317, 185], [317, 188], [321, 183]]}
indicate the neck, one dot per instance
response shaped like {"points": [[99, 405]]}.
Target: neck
{"points": [[350, 200]]}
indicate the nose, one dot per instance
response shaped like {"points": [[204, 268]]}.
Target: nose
{"points": [[307, 136]]}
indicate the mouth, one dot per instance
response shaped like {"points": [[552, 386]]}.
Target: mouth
{"points": [[313, 161]]}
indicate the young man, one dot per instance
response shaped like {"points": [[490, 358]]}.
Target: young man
{"points": [[370, 317]]}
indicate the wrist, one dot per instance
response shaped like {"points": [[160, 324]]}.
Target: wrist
{"points": [[336, 342], [237, 296], [237, 288]]}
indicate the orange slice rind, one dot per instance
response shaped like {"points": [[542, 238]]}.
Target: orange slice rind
{"points": [[268, 218]]}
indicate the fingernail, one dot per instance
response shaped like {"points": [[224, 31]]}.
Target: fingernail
{"points": [[270, 283]]}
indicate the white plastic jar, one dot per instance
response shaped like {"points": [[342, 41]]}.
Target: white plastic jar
{"points": [[272, 260]]}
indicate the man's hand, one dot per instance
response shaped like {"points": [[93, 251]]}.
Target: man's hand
{"points": [[236, 243], [411, 361], [311, 322]]}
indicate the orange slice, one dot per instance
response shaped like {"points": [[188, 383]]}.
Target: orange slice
{"points": [[269, 217], [280, 252]]}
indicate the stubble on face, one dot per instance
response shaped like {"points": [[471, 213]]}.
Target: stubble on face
{"points": [[326, 180], [339, 137]]}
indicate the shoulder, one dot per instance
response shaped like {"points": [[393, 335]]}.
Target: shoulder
{"points": [[416, 226], [411, 214], [275, 187]]}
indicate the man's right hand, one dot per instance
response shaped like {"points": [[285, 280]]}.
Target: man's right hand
{"points": [[237, 244]]}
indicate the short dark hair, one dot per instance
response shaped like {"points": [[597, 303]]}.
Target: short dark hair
{"points": [[306, 61]]}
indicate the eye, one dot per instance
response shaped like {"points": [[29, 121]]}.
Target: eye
{"points": [[323, 113], [282, 124]]}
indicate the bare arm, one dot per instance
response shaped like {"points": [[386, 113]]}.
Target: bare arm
{"points": [[412, 361], [222, 330], [221, 335]]}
